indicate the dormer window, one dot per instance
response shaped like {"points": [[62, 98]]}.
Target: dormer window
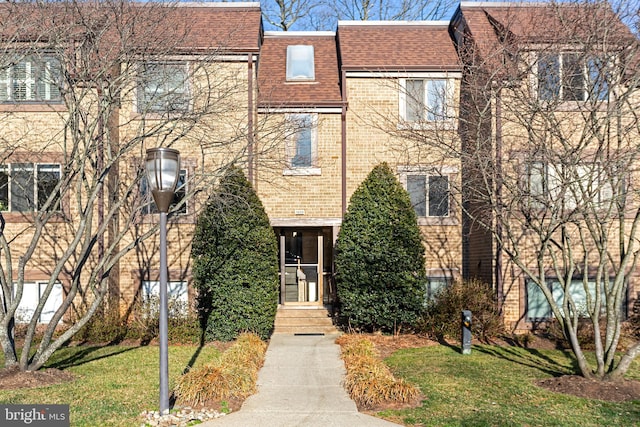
{"points": [[300, 64], [569, 77]]}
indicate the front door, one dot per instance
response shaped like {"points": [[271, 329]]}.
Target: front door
{"points": [[302, 276]]}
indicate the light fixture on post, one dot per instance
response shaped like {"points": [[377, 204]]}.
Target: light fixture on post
{"points": [[163, 168]]}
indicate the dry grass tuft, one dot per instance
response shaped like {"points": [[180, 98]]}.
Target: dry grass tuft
{"points": [[232, 376], [369, 381]]}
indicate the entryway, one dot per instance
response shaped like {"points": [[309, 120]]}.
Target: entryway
{"points": [[306, 276]]}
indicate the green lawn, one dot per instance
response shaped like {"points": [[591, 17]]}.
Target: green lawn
{"points": [[494, 386], [114, 384], [491, 387]]}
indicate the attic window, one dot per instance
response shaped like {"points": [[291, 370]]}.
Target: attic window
{"points": [[300, 65]]}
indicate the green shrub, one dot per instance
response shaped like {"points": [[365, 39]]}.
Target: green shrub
{"points": [[380, 273], [235, 262], [107, 326], [442, 317]]}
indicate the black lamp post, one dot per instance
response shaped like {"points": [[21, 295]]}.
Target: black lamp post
{"points": [[163, 169]]}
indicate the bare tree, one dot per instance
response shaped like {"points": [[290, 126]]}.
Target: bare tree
{"points": [[109, 80], [365, 10], [549, 128], [284, 14], [324, 15]]}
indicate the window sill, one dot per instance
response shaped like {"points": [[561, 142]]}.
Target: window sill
{"points": [[575, 106], [302, 172], [28, 217], [154, 218], [159, 115], [436, 124], [33, 107], [438, 220]]}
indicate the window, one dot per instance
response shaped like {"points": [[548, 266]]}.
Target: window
{"points": [[178, 197], [300, 62], [569, 77], [177, 293], [302, 146], [538, 308], [31, 79], [163, 88], [572, 184], [425, 100], [429, 194], [26, 187], [435, 284], [31, 295], [175, 290]]}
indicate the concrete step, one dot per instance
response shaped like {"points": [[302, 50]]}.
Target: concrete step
{"points": [[316, 313], [305, 330], [308, 321], [303, 320]]}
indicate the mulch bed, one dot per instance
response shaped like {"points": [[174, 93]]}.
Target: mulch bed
{"points": [[619, 391], [13, 378]]}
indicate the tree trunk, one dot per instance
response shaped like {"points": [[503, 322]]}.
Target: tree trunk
{"points": [[8, 345], [622, 368]]}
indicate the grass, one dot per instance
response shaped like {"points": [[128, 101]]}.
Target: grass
{"points": [[494, 386], [114, 384]]}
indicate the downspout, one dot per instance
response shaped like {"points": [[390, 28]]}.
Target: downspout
{"points": [[498, 183], [250, 135], [343, 136]]}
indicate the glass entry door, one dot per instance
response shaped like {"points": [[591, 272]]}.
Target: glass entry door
{"points": [[300, 262]]}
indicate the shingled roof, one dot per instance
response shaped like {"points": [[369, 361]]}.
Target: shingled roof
{"points": [[396, 46], [180, 27], [276, 92], [492, 26]]}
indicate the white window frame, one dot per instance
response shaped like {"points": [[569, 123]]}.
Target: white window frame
{"points": [[149, 206], [178, 289], [177, 292], [8, 81], [448, 106], [292, 120], [300, 63], [148, 104], [31, 294], [443, 281], [587, 78], [447, 172], [549, 184], [576, 288], [36, 169]]}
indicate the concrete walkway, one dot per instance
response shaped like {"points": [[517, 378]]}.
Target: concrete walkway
{"points": [[300, 384]]}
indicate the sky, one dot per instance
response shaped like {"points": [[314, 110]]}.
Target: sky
{"points": [[320, 17]]}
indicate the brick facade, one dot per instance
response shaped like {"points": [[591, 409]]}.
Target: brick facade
{"points": [[355, 101]]}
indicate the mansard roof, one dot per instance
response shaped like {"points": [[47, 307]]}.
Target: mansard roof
{"points": [[491, 24], [277, 92], [180, 27], [396, 46]]}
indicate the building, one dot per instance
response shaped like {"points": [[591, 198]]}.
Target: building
{"points": [[548, 96], [308, 114]]}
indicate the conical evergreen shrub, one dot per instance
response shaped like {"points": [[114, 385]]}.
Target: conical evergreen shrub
{"points": [[235, 262], [380, 270]]}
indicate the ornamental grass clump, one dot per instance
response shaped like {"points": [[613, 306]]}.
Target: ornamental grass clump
{"points": [[232, 376], [369, 381]]}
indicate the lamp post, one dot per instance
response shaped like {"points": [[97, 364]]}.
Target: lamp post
{"points": [[163, 168]]}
